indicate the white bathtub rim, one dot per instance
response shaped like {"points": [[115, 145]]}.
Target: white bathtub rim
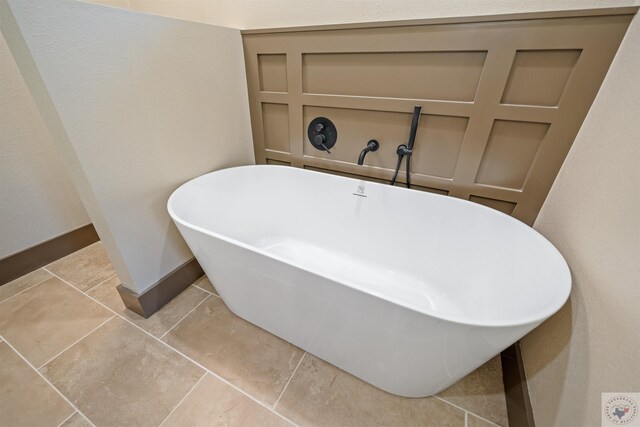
{"points": [[533, 319]]}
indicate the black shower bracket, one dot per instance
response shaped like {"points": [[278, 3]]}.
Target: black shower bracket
{"points": [[406, 150]]}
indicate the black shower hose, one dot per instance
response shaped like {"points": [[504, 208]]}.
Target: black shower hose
{"points": [[408, 167]]}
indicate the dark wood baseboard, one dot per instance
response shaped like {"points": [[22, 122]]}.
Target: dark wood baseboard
{"points": [[519, 410], [166, 289], [31, 259]]}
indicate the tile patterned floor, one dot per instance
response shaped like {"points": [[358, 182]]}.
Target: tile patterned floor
{"points": [[73, 356]]}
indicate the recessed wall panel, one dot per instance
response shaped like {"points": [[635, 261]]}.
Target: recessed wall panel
{"points": [[272, 69], [277, 162], [450, 75], [275, 118], [438, 144], [355, 129], [347, 175], [436, 149], [539, 77], [430, 190], [502, 100], [510, 153], [381, 181], [499, 205]]}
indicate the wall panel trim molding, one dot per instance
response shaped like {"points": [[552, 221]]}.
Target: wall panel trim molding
{"points": [[605, 11], [502, 97]]}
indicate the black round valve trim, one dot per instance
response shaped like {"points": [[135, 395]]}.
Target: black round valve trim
{"points": [[322, 134]]}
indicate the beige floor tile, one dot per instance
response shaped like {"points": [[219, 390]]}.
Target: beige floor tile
{"points": [[161, 321], [25, 398], [44, 320], [76, 420], [245, 355], [205, 284], [473, 421], [481, 392], [120, 376], [85, 268], [320, 394], [214, 403], [21, 283]]}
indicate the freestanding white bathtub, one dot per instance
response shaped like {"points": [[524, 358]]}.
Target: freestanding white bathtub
{"points": [[406, 290]]}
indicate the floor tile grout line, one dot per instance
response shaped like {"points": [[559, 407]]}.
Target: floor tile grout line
{"points": [[264, 405], [183, 399], [77, 341], [271, 409], [185, 316], [68, 283], [49, 383], [202, 289], [97, 284], [465, 410], [466, 419], [67, 419], [115, 314], [30, 287], [493, 423], [290, 378], [449, 403]]}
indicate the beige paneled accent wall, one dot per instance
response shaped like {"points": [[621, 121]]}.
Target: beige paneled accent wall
{"points": [[502, 99]]}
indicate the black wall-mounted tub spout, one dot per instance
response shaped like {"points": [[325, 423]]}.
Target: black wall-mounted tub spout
{"points": [[372, 145]]}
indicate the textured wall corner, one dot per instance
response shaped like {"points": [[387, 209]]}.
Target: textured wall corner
{"points": [[138, 105], [592, 345], [38, 200]]}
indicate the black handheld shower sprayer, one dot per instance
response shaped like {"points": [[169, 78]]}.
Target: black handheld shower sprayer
{"points": [[406, 150]]}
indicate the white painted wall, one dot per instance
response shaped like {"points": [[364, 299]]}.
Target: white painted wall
{"points": [[138, 104], [37, 198], [246, 14]]}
